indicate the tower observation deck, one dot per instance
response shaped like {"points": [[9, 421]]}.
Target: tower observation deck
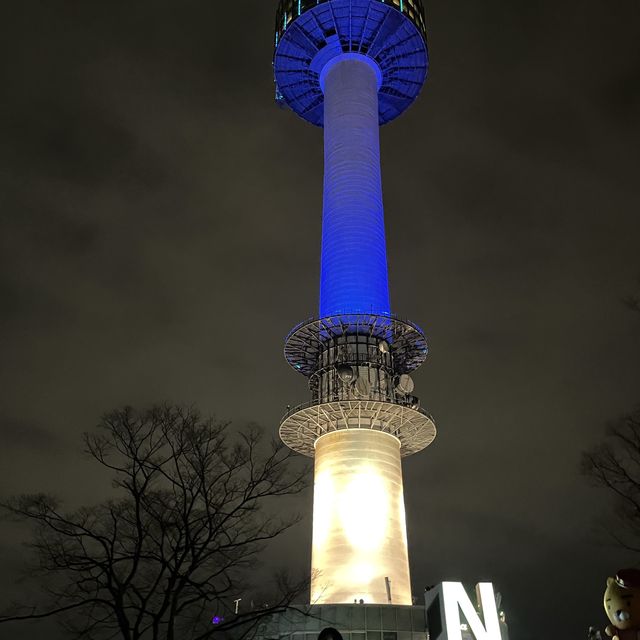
{"points": [[350, 66]]}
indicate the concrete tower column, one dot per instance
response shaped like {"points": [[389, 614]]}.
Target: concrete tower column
{"points": [[354, 258], [359, 530]]}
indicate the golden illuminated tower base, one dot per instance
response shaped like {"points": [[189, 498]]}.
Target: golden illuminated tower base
{"points": [[359, 531]]}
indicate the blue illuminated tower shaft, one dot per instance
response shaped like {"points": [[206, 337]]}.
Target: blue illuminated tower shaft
{"points": [[354, 258]]}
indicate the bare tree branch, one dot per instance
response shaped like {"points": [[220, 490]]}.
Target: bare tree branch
{"points": [[184, 527], [615, 466]]}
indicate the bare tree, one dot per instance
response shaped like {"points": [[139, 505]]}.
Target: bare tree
{"points": [[178, 540], [615, 465]]}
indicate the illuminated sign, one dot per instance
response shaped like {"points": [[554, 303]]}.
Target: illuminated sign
{"points": [[444, 604]]}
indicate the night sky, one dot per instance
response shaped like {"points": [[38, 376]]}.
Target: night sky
{"points": [[160, 234]]}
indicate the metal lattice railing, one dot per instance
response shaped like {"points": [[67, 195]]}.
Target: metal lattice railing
{"points": [[289, 10], [302, 426]]}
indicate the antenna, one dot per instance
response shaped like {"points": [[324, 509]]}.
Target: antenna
{"points": [[404, 384]]}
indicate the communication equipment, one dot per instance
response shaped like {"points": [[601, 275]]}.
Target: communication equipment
{"points": [[383, 346], [404, 384], [345, 373]]}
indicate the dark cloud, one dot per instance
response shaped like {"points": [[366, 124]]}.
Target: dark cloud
{"points": [[21, 435], [160, 232]]}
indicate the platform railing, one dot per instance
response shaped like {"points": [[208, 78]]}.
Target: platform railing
{"points": [[289, 10], [315, 403]]}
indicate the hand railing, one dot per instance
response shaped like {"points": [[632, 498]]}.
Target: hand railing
{"points": [[405, 402]]}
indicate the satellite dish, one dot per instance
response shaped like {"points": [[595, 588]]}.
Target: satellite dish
{"points": [[404, 384], [383, 345], [345, 373]]}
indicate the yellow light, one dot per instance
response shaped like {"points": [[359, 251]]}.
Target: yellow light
{"points": [[359, 529], [364, 511], [324, 495]]}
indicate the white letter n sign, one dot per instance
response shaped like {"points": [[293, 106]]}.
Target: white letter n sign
{"points": [[444, 603]]}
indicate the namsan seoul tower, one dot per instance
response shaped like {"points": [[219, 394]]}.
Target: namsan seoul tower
{"points": [[350, 66]]}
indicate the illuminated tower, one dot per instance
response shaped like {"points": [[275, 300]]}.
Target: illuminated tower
{"points": [[350, 66]]}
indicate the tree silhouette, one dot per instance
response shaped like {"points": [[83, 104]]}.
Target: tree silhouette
{"points": [[178, 540], [614, 464]]}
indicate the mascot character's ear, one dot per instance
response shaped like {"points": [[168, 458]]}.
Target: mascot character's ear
{"points": [[610, 581]]}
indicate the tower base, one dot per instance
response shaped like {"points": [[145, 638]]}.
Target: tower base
{"points": [[354, 621]]}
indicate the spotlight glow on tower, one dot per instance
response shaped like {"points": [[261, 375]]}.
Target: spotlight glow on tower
{"points": [[351, 66]]}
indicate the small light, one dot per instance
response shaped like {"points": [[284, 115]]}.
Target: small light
{"points": [[217, 619]]}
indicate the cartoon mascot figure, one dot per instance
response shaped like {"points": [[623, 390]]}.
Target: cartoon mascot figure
{"points": [[622, 604]]}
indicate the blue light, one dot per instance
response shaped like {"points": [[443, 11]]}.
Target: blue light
{"points": [[392, 35], [217, 619], [353, 275]]}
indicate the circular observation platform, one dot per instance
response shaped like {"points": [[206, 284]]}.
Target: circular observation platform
{"points": [[303, 425], [305, 343], [311, 32]]}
